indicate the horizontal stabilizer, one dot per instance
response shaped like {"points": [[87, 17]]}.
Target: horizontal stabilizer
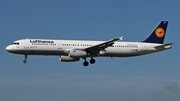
{"points": [[168, 45]]}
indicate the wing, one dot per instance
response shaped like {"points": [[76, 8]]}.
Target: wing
{"points": [[102, 46]]}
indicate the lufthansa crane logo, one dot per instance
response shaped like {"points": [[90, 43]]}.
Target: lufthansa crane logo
{"points": [[159, 32]]}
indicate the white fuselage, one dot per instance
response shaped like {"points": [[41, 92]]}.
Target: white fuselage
{"points": [[74, 50], [61, 47]]}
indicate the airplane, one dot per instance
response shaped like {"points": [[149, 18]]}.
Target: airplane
{"points": [[74, 50]]}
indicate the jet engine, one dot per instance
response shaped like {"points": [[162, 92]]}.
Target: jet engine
{"points": [[68, 59], [77, 53]]}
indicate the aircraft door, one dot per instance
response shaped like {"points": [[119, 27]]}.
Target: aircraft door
{"points": [[26, 44], [59, 45], [144, 47]]}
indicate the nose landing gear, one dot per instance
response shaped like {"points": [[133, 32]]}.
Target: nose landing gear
{"points": [[25, 61]]}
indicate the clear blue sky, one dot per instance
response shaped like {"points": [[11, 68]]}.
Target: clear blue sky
{"points": [[154, 77]]}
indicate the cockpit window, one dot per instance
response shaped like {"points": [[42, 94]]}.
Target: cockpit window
{"points": [[15, 43]]}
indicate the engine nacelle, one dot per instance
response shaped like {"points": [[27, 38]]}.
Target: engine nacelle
{"points": [[68, 59], [77, 53]]}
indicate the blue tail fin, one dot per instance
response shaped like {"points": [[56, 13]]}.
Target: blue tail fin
{"points": [[158, 35]]}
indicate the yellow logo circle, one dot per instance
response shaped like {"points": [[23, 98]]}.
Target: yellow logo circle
{"points": [[159, 32]]}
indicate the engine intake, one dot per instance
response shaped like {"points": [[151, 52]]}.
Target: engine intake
{"points": [[77, 53]]}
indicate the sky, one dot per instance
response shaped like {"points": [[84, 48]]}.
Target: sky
{"points": [[153, 77]]}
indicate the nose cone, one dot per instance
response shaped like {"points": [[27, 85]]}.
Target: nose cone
{"points": [[8, 48]]}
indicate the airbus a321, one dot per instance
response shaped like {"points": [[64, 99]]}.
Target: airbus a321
{"points": [[74, 50]]}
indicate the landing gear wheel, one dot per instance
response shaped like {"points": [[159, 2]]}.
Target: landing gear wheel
{"points": [[25, 61], [25, 56], [85, 63], [92, 61]]}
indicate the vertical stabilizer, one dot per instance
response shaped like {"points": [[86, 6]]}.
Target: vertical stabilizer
{"points": [[158, 35]]}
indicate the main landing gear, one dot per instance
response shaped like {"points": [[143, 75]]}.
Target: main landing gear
{"points": [[86, 63], [25, 60]]}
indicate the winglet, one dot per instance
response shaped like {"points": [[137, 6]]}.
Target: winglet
{"points": [[121, 38], [116, 39]]}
